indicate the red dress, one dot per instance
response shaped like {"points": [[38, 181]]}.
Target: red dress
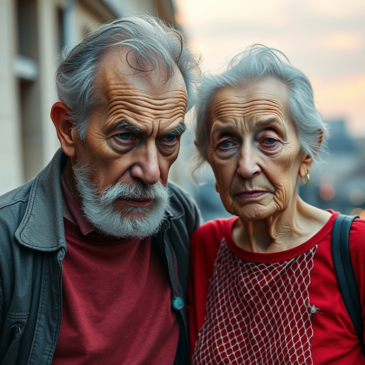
{"points": [[277, 308]]}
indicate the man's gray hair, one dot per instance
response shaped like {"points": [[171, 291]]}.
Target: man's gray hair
{"points": [[152, 44], [258, 62]]}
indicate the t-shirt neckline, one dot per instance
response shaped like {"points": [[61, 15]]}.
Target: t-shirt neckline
{"points": [[277, 256]]}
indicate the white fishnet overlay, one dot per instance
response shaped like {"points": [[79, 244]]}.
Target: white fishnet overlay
{"points": [[257, 314]]}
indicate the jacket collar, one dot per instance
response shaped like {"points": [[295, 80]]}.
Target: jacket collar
{"points": [[42, 225]]}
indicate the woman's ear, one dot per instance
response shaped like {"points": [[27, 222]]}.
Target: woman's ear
{"points": [[307, 161], [64, 128], [320, 140], [305, 166]]}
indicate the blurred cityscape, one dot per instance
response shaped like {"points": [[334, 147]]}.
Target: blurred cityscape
{"points": [[33, 34]]}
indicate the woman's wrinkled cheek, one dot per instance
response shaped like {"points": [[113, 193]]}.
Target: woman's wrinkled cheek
{"points": [[226, 199], [223, 176], [280, 198], [282, 180]]}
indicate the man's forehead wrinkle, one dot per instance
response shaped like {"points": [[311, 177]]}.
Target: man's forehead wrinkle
{"points": [[165, 111], [128, 90], [148, 84], [142, 120], [142, 101], [144, 106]]}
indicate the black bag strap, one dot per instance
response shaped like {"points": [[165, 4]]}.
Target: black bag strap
{"points": [[345, 273]]}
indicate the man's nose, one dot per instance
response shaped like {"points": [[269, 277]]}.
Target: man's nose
{"points": [[248, 166], [147, 167]]}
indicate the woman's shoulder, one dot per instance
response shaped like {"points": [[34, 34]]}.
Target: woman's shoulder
{"points": [[212, 232], [205, 243], [357, 235], [357, 252]]}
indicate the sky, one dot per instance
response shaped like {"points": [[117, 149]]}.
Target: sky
{"points": [[324, 39]]}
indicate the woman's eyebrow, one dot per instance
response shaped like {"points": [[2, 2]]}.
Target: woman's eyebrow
{"points": [[265, 123], [223, 128]]}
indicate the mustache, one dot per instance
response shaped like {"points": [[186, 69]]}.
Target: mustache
{"points": [[136, 190], [99, 206]]}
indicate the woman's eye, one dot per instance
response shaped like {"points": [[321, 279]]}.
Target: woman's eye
{"points": [[269, 141], [226, 144], [124, 136]]}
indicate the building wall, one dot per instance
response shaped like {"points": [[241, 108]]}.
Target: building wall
{"points": [[32, 35], [11, 174]]}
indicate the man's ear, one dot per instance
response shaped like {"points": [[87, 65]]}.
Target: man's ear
{"points": [[64, 128]]}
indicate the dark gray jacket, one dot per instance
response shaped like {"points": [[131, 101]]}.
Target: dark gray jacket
{"points": [[32, 246]]}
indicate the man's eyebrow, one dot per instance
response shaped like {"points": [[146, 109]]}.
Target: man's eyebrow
{"points": [[129, 127], [180, 129]]}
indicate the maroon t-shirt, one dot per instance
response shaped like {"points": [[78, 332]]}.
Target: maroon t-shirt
{"points": [[116, 300]]}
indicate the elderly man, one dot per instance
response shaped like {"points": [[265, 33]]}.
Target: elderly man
{"points": [[94, 250]]}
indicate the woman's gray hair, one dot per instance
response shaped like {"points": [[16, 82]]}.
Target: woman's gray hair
{"points": [[258, 62], [152, 44]]}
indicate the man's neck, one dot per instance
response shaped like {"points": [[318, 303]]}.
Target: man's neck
{"points": [[69, 179]]}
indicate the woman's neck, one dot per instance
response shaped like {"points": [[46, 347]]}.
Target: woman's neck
{"points": [[280, 232]]}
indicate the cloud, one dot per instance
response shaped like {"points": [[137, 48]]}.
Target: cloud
{"points": [[337, 9], [341, 41], [325, 39], [345, 98]]}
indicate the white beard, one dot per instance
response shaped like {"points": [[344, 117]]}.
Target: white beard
{"points": [[99, 208]]}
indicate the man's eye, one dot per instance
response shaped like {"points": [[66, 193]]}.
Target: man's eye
{"points": [[169, 138], [124, 136]]}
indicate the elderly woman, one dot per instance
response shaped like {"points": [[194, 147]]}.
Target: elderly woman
{"points": [[263, 288]]}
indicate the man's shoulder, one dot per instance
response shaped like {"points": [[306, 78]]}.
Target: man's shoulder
{"points": [[180, 200], [13, 206], [177, 193], [183, 207], [14, 199]]}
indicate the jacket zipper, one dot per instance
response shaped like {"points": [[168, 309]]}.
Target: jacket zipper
{"points": [[173, 290], [60, 306]]}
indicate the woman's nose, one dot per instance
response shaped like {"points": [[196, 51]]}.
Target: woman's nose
{"points": [[248, 166]]}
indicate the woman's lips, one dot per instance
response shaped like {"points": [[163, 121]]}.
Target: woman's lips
{"points": [[138, 202], [251, 194]]}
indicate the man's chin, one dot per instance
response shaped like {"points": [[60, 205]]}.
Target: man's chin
{"points": [[131, 216], [130, 211]]}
